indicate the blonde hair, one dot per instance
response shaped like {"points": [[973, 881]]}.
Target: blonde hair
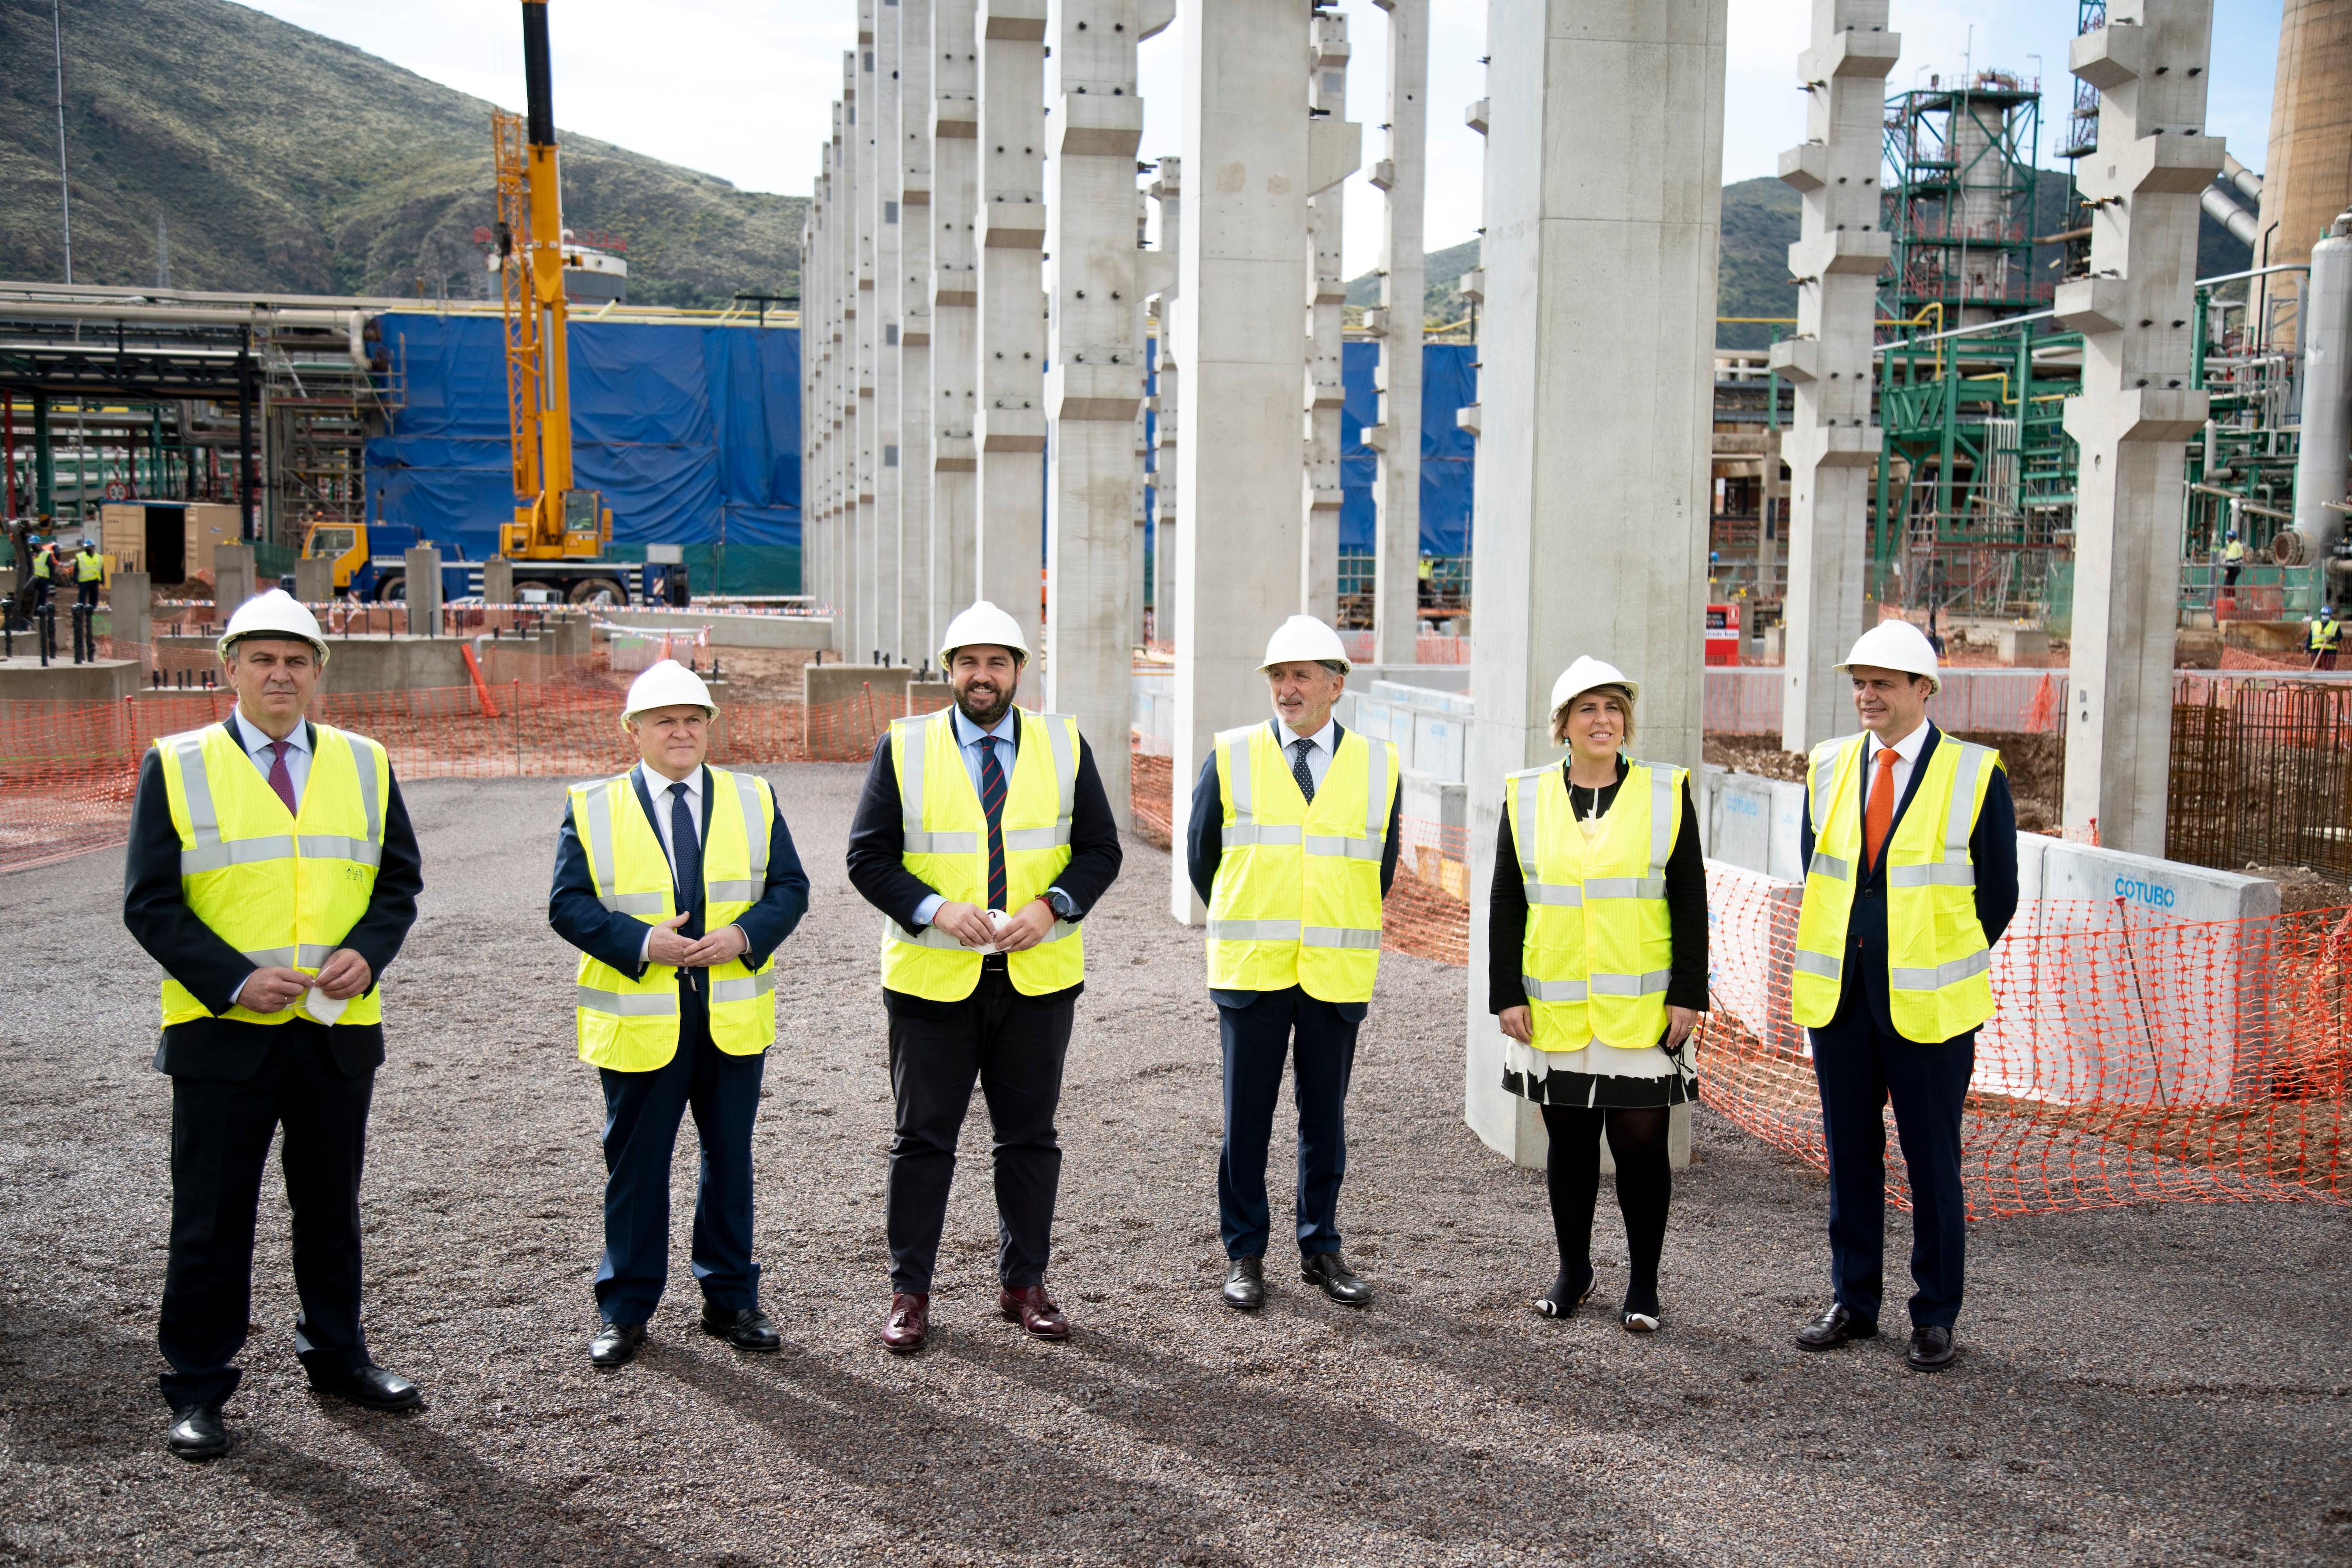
{"points": [[1617, 694]]}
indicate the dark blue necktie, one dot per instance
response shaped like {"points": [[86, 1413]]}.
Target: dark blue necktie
{"points": [[991, 801], [1302, 772], [685, 858]]}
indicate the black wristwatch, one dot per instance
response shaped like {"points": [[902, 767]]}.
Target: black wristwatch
{"points": [[1064, 906]]}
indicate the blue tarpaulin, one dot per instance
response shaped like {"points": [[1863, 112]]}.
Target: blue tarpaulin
{"points": [[1448, 454], [692, 432]]}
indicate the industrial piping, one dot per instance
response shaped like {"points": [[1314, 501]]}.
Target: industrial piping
{"points": [[2325, 452]]}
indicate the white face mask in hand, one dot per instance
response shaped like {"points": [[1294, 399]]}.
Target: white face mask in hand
{"points": [[996, 918], [322, 1006]]}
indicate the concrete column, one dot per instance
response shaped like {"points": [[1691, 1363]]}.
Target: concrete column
{"points": [[424, 588], [1095, 387], [1401, 177], [813, 332], [2135, 413], [913, 138], [865, 218], [1832, 443], [955, 319], [1335, 151], [130, 611], [314, 579], [856, 430], [233, 577], [1011, 424], [1603, 197], [1241, 273], [1166, 403], [882, 202]]}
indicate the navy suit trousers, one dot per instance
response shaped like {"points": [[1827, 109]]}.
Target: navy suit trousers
{"points": [[641, 1112], [1861, 1067], [1322, 1047]]}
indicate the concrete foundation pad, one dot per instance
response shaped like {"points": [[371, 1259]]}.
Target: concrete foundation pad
{"points": [[382, 662], [734, 629], [24, 679], [829, 683]]}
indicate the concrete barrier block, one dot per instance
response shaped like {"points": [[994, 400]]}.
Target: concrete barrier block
{"points": [[2024, 646], [1754, 823], [830, 683]]}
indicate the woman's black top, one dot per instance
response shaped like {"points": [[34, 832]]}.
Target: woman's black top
{"points": [[1507, 931]]}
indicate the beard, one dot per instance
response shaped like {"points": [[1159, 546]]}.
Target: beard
{"points": [[984, 711]]}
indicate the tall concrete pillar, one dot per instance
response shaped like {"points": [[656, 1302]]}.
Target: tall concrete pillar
{"points": [[1167, 190], [2137, 411], [1402, 178], [1832, 443], [1327, 296], [1095, 387], [811, 331], [955, 324], [883, 199], [1240, 272], [1604, 153], [820, 352], [1011, 422], [856, 626], [872, 561], [912, 133]]}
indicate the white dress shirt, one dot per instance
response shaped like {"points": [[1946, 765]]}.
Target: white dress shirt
{"points": [[257, 746], [1321, 746], [657, 788], [1907, 756]]}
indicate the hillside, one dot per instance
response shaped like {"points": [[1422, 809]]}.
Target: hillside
{"points": [[1759, 223], [282, 160]]}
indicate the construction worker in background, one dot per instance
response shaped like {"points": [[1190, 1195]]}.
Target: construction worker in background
{"points": [[677, 881], [89, 571], [1292, 844], [1909, 843], [984, 837], [2234, 560], [45, 571], [272, 873], [2325, 633]]}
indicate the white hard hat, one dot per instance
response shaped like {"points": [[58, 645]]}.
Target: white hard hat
{"points": [[668, 684], [982, 624], [1304, 639], [1895, 645], [276, 612], [1584, 675]]}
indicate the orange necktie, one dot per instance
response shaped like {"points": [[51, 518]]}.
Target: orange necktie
{"points": [[1878, 814]]}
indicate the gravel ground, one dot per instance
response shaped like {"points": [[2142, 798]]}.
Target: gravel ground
{"points": [[2150, 1385]]}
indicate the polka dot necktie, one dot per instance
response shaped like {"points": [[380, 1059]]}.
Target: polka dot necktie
{"points": [[1301, 771]]}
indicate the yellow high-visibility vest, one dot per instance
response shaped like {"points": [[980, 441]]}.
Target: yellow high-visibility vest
{"points": [[2236, 552], [631, 1025], [41, 561], [1298, 895], [284, 888], [947, 850], [88, 568], [2324, 635], [1939, 966], [1599, 943]]}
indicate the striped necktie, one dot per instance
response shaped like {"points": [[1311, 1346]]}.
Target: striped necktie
{"points": [[991, 801]]}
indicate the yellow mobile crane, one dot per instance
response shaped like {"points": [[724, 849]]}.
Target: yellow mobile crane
{"points": [[554, 522]]}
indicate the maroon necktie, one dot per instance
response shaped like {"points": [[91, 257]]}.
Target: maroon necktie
{"points": [[280, 779]]}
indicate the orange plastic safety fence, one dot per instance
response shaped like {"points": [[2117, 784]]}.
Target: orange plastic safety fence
{"points": [[1149, 791]]}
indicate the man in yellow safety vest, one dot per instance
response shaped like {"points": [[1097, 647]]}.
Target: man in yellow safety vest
{"points": [[272, 873], [2234, 560], [1910, 849], [677, 881], [1292, 844], [89, 571], [984, 836], [2325, 633]]}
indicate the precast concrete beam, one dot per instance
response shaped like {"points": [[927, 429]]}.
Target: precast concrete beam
{"points": [[912, 135], [2138, 408], [1335, 148], [955, 317], [1832, 440], [1094, 389], [1401, 177], [1168, 400], [1603, 194], [1011, 426], [1240, 270], [883, 200]]}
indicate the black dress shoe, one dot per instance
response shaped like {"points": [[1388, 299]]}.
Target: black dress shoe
{"points": [[196, 1432], [371, 1386], [1326, 1269], [747, 1330], [1245, 1284], [1837, 1324], [1931, 1349], [616, 1344]]}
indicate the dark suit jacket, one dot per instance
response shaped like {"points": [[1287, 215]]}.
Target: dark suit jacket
{"points": [[1204, 850], [190, 951], [877, 855], [1992, 847], [618, 940]]}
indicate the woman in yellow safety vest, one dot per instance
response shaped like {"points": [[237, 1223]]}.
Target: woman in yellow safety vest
{"points": [[1597, 971]]}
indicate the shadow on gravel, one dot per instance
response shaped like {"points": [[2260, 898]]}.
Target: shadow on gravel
{"points": [[957, 1479]]}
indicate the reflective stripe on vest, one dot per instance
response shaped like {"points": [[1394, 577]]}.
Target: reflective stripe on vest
{"points": [[1938, 964], [1593, 960], [946, 849]]}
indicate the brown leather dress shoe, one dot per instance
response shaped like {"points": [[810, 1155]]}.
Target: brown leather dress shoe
{"points": [[1034, 1311], [909, 1322]]}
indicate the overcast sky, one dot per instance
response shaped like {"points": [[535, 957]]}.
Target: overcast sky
{"points": [[741, 88]]}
